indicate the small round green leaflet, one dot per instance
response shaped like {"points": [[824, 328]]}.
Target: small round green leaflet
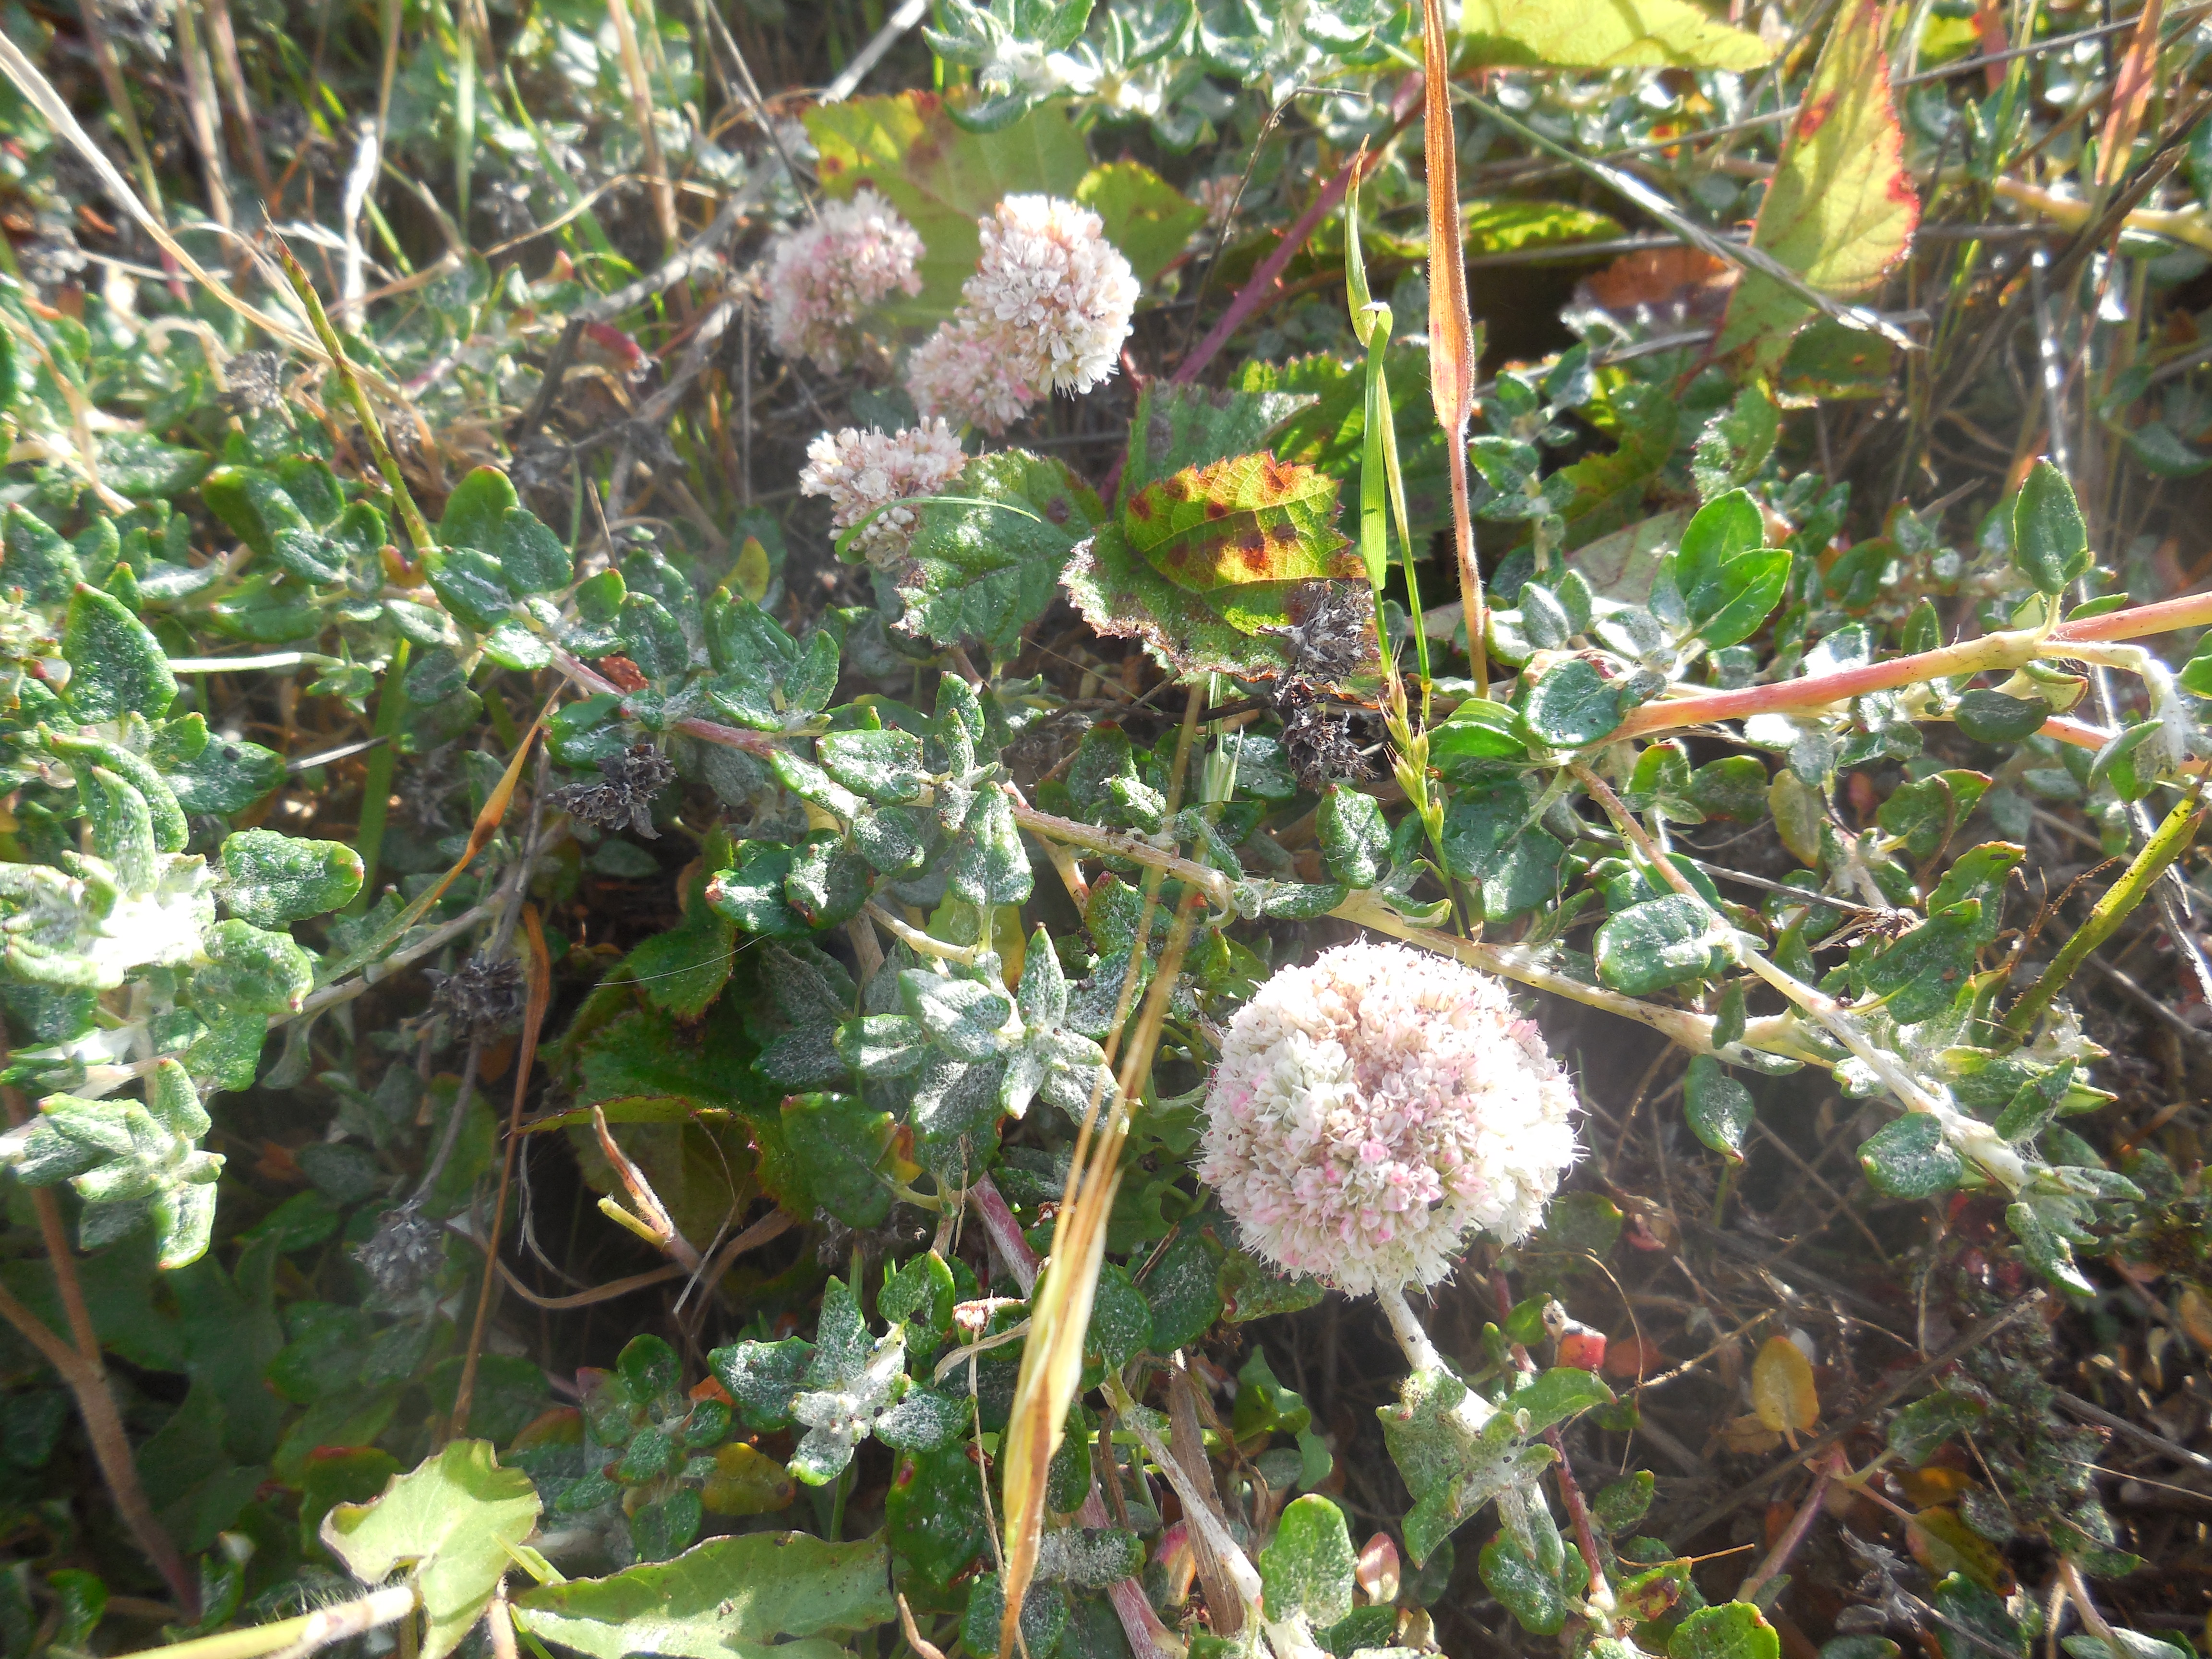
{"points": [[1308, 1570], [2050, 540], [1910, 1159], [1735, 1630], [1719, 1109]]}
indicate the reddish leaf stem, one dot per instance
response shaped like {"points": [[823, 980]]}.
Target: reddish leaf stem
{"points": [[1262, 287], [1992, 652]]}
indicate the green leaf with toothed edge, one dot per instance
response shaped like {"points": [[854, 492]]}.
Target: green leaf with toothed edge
{"points": [[984, 565]]}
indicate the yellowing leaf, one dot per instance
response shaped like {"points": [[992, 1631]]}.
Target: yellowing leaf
{"points": [[1247, 518], [1782, 1390], [1147, 218], [746, 1480], [1840, 209], [452, 1520], [1943, 1544], [1747, 1437], [752, 574], [1607, 35]]}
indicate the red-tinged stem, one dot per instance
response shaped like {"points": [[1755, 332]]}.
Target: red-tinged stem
{"points": [[1992, 652], [1800, 1524], [730, 737], [2082, 735], [1262, 287], [2190, 611], [1006, 1232]]}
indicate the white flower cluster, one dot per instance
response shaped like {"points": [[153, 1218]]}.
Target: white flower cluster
{"points": [[964, 375], [823, 276], [861, 471], [1046, 311], [1372, 1109]]}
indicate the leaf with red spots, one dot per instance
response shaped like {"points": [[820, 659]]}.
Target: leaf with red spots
{"points": [[1840, 209], [1247, 518], [1223, 567]]}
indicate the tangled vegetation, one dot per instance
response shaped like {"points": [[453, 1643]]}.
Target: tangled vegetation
{"points": [[1113, 829]]}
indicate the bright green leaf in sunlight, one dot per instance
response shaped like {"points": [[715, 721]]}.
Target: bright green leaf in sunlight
{"points": [[986, 559], [728, 1598], [1145, 216], [451, 1520], [1840, 209], [1607, 34]]}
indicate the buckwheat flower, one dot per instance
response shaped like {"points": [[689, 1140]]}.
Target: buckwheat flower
{"points": [[823, 275], [1058, 292], [964, 375], [1373, 1109], [861, 471]]}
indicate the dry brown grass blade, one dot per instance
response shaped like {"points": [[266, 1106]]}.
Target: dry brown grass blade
{"points": [[1060, 1308], [1452, 365], [487, 825], [526, 1060], [41, 92], [2132, 91]]}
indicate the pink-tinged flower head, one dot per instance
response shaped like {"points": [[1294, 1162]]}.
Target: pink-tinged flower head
{"points": [[861, 471], [964, 375], [1054, 291], [1371, 1109], [823, 275]]}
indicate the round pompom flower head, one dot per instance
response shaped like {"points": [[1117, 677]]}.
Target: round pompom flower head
{"points": [[1372, 1109], [823, 275], [862, 471], [1053, 291], [964, 375]]}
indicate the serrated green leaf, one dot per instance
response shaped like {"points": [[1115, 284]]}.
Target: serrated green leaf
{"points": [[984, 565]]}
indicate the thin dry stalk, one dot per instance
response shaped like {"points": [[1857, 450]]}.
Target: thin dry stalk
{"points": [[1452, 364]]}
